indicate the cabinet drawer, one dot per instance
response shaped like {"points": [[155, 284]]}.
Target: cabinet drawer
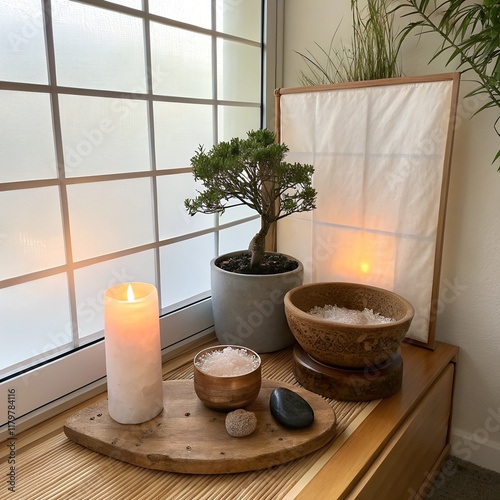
{"points": [[404, 463]]}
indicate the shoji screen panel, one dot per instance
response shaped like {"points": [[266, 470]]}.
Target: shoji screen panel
{"points": [[381, 152]]}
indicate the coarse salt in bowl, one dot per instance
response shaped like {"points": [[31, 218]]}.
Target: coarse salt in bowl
{"points": [[227, 377], [373, 338]]}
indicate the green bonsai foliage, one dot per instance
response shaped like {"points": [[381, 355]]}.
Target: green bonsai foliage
{"points": [[252, 172], [470, 36], [372, 54]]}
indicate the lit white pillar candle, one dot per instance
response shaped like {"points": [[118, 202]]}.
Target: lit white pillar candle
{"points": [[133, 352]]}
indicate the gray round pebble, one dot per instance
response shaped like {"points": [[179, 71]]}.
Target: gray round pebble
{"points": [[240, 423]]}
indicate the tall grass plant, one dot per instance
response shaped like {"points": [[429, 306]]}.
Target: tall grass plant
{"points": [[372, 54]]}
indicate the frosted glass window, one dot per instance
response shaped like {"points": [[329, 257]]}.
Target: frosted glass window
{"points": [[186, 269], [239, 18], [181, 61], [35, 319], [26, 137], [98, 48], [134, 4], [236, 121], [31, 237], [196, 12], [109, 216], [22, 42], [91, 283], [96, 145], [237, 238], [179, 130], [236, 213], [173, 217], [238, 71], [103, 135]]}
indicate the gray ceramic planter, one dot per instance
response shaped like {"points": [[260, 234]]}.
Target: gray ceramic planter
{"points": [[248, 309]]}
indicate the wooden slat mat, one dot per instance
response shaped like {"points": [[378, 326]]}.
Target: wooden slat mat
{"points": [[61, 469]]}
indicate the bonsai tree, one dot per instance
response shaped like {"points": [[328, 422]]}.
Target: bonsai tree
{"points": [[252, 172]]}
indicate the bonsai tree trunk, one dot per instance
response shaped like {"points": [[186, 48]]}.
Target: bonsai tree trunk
{"points": [[268, 216], [258, 246]]}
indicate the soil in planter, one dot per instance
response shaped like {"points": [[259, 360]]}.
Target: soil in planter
{"points": [[271, 264]]}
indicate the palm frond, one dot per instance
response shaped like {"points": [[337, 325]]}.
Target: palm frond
{"points": [[471, 39]]}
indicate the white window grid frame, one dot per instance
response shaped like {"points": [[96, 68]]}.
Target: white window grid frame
{"points": [[41, 389]]}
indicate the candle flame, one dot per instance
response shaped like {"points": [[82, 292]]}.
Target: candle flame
{"points": [[130, 294]]}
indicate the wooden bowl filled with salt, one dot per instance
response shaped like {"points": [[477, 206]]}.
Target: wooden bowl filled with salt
{"points": [[227, 377], [348, 324]]}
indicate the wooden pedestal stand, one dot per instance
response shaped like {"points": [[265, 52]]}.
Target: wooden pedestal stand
{"points": [[347, 384]]}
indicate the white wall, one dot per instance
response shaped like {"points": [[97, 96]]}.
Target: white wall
{"points": [[469, 315]]}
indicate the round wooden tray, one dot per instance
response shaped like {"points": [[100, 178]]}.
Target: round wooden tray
{"points": [[190, 438]]}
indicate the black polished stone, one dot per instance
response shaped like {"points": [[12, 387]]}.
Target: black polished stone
{"points": [[290, 409]]}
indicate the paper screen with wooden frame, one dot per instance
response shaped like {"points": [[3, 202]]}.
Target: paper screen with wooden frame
{"points": [[381, 152]]}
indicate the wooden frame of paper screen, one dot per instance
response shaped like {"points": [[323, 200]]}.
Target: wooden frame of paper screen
{"points": [[450, 84]]}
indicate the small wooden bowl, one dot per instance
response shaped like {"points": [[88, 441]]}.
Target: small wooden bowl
{"points": [[226, 393]]}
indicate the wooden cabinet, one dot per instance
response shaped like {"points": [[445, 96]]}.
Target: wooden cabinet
{"points": [[389, 456]]}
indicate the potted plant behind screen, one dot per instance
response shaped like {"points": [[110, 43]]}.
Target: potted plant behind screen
{"points": [[248, 286], [373, 52]]}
